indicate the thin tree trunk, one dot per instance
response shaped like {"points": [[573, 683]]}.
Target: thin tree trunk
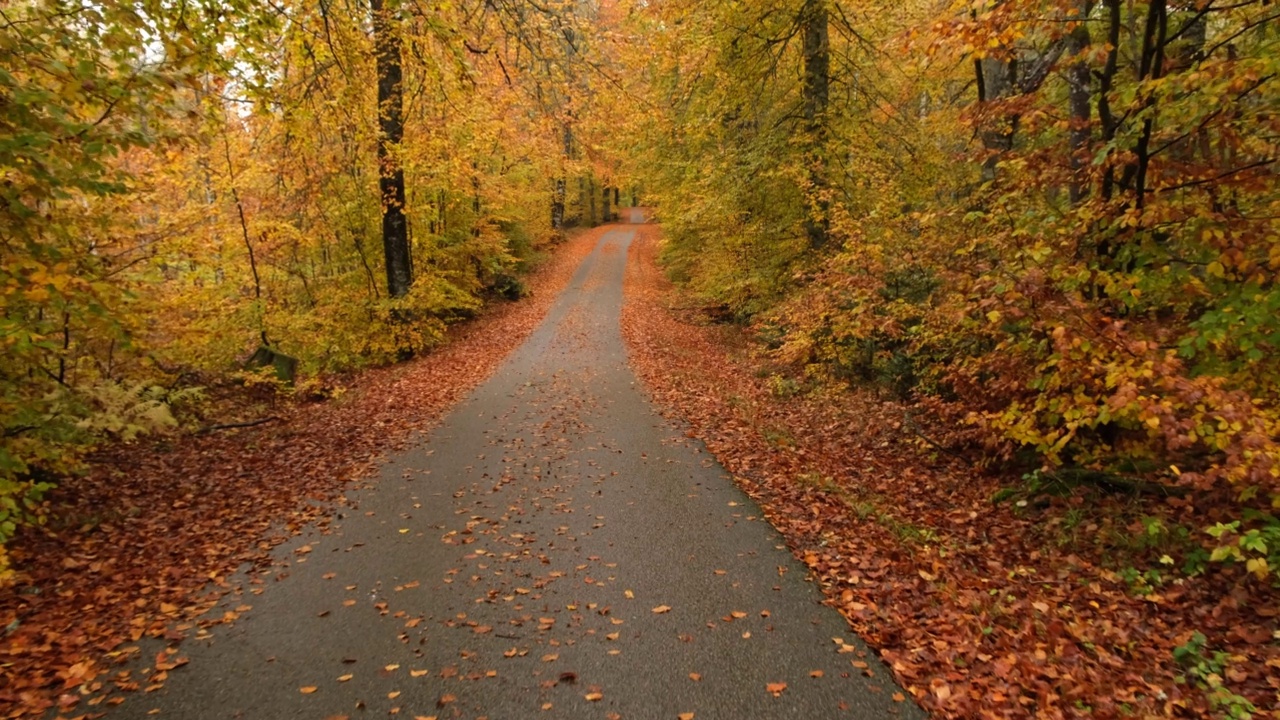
{"points": [[817, 64], [395, 236], [557, 199], [591, 200], [1079, 81]]}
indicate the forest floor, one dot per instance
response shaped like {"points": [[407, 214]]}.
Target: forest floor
{"points": [[1045, 605], [1038, 608], [550, 544], [145, 543]]}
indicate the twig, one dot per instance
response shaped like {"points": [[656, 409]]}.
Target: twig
{"points": [[232, 426], [914, 428]]}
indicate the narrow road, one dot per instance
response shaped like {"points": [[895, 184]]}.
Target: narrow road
{"points": [[554, 549]]}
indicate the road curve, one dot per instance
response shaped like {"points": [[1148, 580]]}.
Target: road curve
{"points": [[554, 549]]}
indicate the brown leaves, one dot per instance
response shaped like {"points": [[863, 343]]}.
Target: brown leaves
{"points": [[912, 551], [191, 510], [775, 689]]}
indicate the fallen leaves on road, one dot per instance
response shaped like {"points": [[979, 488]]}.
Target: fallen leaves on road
{"points": [[662, 609], [995, 602], [158, 525]]}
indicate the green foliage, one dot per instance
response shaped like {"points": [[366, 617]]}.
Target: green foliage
{"points": [[1205, 671], [1258, 547]]}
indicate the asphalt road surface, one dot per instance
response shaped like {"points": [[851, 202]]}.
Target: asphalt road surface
{"points": [[554, 549]]}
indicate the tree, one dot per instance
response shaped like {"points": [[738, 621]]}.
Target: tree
{"points": [[395, 232]]}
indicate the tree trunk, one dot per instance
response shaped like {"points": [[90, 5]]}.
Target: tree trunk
{"points": [[395, 236], [1078, 99], [817, 64], [604, 205], [995, 82], [591, 200], [558, 197]]}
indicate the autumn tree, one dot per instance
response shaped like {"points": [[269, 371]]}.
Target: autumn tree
{"points": [[1051, 224], [395, 235], [186, 183]]}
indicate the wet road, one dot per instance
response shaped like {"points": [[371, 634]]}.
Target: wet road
{"points": [[554, 549]]}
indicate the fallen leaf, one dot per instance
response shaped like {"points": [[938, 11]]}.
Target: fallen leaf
{"points": [[594, 696], [307, 689], [776, 688], [662, 609]]}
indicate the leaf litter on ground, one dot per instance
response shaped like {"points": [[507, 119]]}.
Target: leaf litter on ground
{"points": [[145, 544]]}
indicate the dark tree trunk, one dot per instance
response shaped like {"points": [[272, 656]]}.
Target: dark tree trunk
{"points": [[558, 197], [591, 200], [604, 205], [395, 235], [995, 83], [817, 64], [1079, 98]]}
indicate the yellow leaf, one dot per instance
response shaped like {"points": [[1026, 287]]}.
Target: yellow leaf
{"points": [[308, 689]]}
